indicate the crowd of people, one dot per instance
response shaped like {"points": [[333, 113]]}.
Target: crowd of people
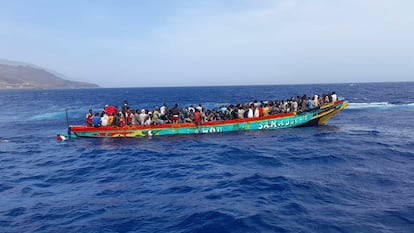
{"points": [[113, 116]]}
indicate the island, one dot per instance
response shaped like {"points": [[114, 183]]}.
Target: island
{"points": [[18, 75]]}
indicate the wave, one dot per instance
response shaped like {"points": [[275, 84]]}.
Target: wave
{"points": [[378, 105]]}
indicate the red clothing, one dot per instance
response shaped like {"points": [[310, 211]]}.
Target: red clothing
{"points": [[122, 121], [197, 117], [129, 118], [260, 112], [89, 120], [110, 110]]}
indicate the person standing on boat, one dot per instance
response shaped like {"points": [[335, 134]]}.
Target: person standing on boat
{"points": [[200, 108], [197, 117], [294, 105], [334, 97], [89, 117], [175, 113], [315, 101], [110, 110], [304, 104], [125, 108], [164, 109], [250, 113]]}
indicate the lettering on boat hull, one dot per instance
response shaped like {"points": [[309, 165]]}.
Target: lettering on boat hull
{"points": [[212, 130], [283, 123]]}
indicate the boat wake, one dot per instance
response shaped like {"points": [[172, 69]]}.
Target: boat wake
{"points": [[379, 105]]}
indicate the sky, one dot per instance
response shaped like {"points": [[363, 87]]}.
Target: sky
{"points": [[212, 42]]}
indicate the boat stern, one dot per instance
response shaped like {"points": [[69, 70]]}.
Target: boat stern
{"points": [[68, 135]]}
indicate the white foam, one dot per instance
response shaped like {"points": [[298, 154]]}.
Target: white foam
{"points": [[377, 105]]}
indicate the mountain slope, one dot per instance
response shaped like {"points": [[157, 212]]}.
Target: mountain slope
{"points": [[15, 75]]}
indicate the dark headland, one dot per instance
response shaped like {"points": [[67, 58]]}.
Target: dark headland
{"points": [[18, 75]]}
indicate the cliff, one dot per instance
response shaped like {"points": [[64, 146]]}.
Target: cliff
{"points": [[16, 75]]}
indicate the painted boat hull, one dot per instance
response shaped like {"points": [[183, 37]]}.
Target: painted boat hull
{"points": [[279, 121]]}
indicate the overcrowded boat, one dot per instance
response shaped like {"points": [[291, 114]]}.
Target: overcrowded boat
{"points": [[293, 116]]}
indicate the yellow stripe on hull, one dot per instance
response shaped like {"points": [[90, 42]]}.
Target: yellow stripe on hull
{"points": [[328, 116]]}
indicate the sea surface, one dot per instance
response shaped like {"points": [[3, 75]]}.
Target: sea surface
{"points": [[354, 174]]}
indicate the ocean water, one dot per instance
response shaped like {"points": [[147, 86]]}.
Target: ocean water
{"points": [[354, 174]]}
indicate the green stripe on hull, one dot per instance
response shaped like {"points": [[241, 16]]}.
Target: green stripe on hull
{"points": [[281, 121]]}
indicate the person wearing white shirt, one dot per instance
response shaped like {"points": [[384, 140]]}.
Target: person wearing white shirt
{"points": [[334, 97]]}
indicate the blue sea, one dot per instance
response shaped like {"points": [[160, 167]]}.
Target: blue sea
{"points": [[354, 174]]}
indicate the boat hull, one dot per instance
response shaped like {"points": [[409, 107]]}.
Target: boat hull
{"points": [[279, 121]]}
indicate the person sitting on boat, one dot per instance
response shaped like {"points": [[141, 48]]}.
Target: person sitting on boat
{"points": [[321, 101], [266, 110], [185, 113], [156, 116], [135, 117], [240, 112], [111, 119], [256, 112], [129, 117], [117, 118], [142, 117], [104, 120], [260, 109], [191, 108], [190, 116], [96, 120], [148, 119], [326, 99], [233, 113], [208, 116], [89, 117], [310, 104], [121, 122], [181, 116]]}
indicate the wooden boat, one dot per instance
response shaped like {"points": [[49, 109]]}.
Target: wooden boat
{"points": [[313, 117]]}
